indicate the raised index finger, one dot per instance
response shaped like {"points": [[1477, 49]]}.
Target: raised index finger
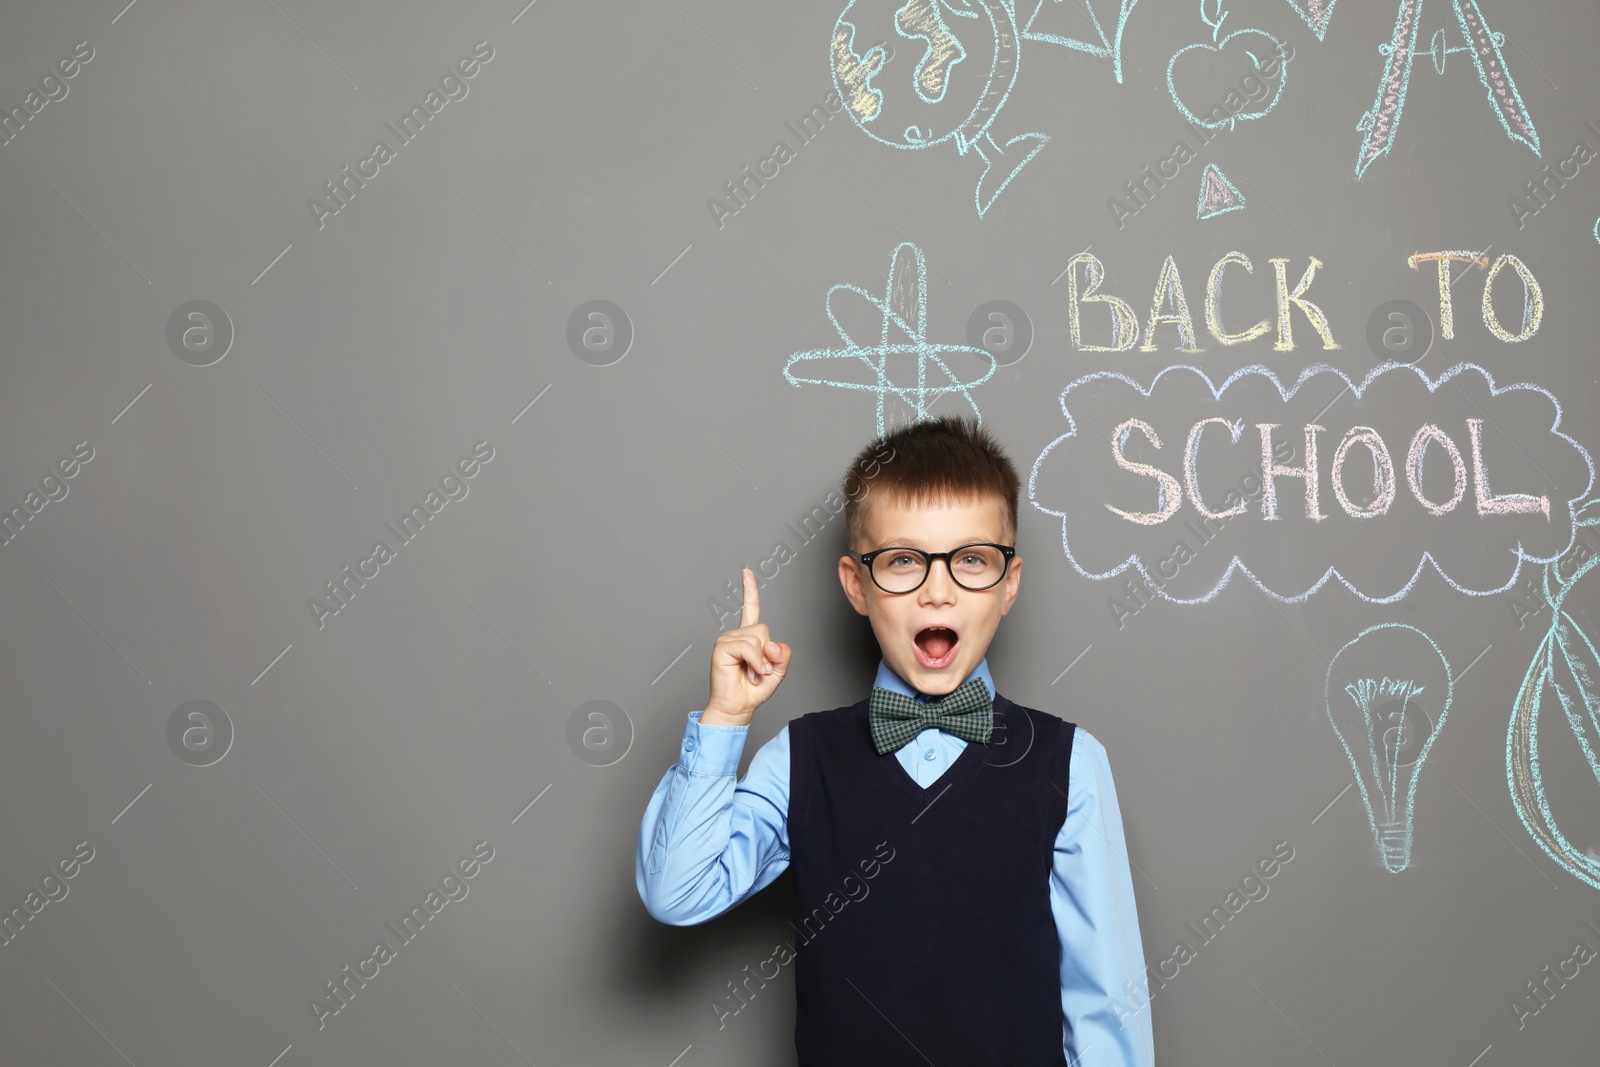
{"points": [[750, 613]]}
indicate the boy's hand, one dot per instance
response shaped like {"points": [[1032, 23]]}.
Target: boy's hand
{"points": [[746, 665]]}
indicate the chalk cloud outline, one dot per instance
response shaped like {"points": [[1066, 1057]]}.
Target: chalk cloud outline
{"points": [[1236, 564]]}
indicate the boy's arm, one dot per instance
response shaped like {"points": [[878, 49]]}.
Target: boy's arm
{"points": [[706, 843], [1103, 992]]}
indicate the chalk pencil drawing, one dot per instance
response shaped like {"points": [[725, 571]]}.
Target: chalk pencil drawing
{"points": [[1564, 673], [960, 81], [1218, 195], [1382, 121], [903, 311], [1387, 674], [1316, 14], [1218, 43], [1562, 509]]}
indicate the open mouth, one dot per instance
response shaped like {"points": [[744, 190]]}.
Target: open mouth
{"points": [[936, 646]]}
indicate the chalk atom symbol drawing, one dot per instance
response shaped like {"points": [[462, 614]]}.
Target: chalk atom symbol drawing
{"points": [[967, 54], [1385, 676], [1381, 122], [1218, 196], [1565, 673], [1316, 14], [904, 319]]}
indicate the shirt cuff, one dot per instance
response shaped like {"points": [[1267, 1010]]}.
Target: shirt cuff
{"points": [[711, 748]]}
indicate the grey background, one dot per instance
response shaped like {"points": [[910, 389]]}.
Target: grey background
{"points": [[370, 754]]}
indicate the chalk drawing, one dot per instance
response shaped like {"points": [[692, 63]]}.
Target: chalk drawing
{"points": [[1383, 485], [959, 88], [1216, 45], [1316, 13], [1382, 121], [1564, 672], [967, 61], [1383, 670], [904, 307], [1493, 75], [1107, 47], [1218, 195]]}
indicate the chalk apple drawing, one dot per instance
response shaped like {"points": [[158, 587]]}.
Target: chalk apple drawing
{"points": [[1268, 47]]}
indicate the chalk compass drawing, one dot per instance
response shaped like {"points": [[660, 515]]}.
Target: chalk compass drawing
{"points": [[904, 319], [1382, 121], [1564, 674], [1218, 195], [1316, 14], [969, 52], [1268, 47], [1387, 678]]}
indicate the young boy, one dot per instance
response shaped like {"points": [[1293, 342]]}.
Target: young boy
{"points": [[1004, 930]]}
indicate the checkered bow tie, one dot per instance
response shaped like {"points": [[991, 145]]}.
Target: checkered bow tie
{"points": [[967, 712]]}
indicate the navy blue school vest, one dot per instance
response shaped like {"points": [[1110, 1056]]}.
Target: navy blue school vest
{"points": [[924, 921]]}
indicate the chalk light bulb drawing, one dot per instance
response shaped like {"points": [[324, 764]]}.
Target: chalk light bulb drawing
{"points": [[1379, 688], [1564, 672]]}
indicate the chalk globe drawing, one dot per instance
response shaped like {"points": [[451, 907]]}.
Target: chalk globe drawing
{"points": [[963, 65]]}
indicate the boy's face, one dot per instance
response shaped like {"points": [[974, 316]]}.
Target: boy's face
{"points": [[899, 618]]}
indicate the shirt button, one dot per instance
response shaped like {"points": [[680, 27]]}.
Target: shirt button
{"points": [[690, 744], [928, 755]]}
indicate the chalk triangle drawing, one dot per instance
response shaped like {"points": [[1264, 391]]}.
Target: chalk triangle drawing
{"points": [[1217, 195], [1316, 13]]}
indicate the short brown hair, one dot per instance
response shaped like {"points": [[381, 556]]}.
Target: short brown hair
{"points": [[944, 458]]}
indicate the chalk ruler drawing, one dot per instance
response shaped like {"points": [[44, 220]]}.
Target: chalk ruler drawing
{"points": [[1218, 196], [963, 75], [1564, 673], [1381, 123], [904, 315], [1376, 688], [1218, 43], [1426, 559], [1316, 14]]}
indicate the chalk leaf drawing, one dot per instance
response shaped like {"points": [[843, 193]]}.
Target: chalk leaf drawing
{"points": [[903, 311], [1376, 689], [1218, 195], [1564, 674], [1316, 13], [1256, 46], [966, 56], [1381, 122]]}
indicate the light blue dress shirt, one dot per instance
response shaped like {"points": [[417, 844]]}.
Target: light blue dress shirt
{"points": [[707, 844]]}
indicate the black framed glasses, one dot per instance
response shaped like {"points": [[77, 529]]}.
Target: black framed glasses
{"points": [[899, 569]]}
